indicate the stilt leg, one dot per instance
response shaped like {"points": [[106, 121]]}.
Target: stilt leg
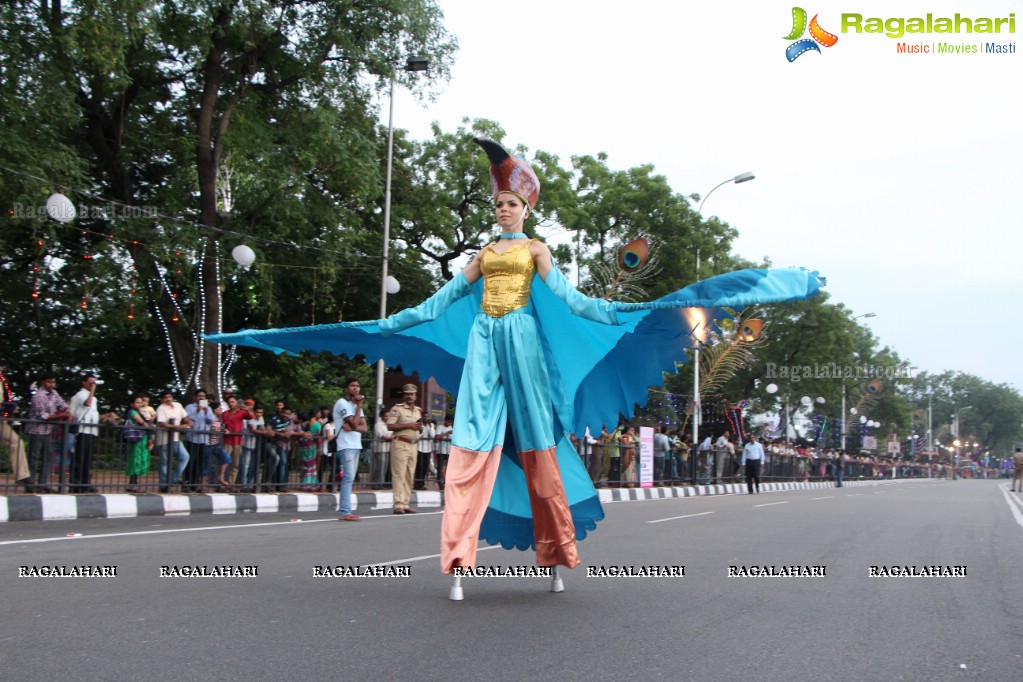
{"points": [[557, 584], [456, 590]]}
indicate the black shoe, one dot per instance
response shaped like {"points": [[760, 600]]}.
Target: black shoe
{"points": [[91, 489], [27, 483], [164, 489]]}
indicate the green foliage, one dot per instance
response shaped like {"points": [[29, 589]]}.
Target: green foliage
{"points": [[145, 103], [990, 414]]}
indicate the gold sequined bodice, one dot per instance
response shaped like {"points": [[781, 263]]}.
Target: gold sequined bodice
{"points": [[506, 278]]}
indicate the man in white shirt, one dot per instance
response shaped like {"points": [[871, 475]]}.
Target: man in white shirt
{"points": [[662, 456], [443, 449], [594, 456], [250, 441], [381, 463], [85, 415], [171, 420], [425, 450], [706, 452], [349, 425], [722, 457], [752, 458]]}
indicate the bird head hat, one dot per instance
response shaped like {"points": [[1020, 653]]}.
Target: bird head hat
{"points": [[510, 173]]}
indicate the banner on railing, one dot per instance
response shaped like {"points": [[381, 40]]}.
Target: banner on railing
{"points": [[646, 457]]}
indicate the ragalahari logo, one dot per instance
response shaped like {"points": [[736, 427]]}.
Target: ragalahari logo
{"points": [[817, 35]]}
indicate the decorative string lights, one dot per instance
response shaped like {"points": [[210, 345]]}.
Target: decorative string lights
{"points": [[734, 415], [220, 317], [711, 411], [133, 282], [85, 277], [35, 267], [198, 356]]}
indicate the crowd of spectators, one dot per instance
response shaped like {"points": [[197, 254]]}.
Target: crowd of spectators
{"points": [[230, 444]]}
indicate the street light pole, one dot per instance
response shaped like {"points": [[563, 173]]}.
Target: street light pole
{"points": [[955, 430], [738, 179], [845, 417], [413, 64], [930, 422]]}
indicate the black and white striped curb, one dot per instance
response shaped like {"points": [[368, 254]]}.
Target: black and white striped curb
{"points": [[70, 507], [638, 494]]}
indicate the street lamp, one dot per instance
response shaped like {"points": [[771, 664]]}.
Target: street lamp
{"points": [[415, 63], [738, 179], [844, 415], [955, 420]]}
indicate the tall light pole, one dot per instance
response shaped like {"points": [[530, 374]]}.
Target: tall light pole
{"points": [[416, 63], [845, 417], [930, 422], [738, 179], [955, 425]]}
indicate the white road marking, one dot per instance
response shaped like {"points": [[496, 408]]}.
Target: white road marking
{"points": [[687, 516], [768, 504], [822, 498], [1014, 503], [190, 530], [427, 556], [856, 495]]}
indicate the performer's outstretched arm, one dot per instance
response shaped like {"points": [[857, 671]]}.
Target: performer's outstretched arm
{"points": [[429, 309], [595, 309]]}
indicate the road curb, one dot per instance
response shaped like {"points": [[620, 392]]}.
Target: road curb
{"points": [[119, 505], [610, 495]]}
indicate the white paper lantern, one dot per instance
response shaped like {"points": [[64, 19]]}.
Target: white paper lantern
{"points": [[60, 208], [772, 388], [852, 410], [391, 285], [863, 420], [243, 255], [806, 401], [820, 400]]}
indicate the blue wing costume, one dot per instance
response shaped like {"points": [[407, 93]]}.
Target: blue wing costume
{"points": [[597, 371]]}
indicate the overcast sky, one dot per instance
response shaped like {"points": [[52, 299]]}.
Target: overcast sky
{"points": [[898, 176]]}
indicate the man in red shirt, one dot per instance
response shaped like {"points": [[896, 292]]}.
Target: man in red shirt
{"points": [[234, 425]]}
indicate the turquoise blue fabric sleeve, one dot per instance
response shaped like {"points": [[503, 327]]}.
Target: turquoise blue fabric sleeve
{"points": [[599, 369], [580, 305], [429, 309]]}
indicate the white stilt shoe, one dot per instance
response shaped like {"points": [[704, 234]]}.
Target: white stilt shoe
{"points": [[456, 590], [557, 584]]}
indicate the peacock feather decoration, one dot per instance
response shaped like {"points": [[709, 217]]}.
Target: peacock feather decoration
{"points": [[871, 394], [620, 280]]}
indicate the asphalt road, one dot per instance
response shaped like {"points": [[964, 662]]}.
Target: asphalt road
{"points": [[285, 623]]}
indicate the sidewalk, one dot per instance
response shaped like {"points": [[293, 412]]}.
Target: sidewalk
{"points": [[70, 507]]}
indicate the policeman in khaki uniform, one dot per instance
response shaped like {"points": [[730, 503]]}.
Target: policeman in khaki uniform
{"points": [[405, 422]]}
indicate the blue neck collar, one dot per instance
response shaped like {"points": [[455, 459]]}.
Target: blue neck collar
{"points": [[513, 235]]}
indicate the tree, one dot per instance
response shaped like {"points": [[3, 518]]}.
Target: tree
{"points": [[183, 106], [990, 414]]}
